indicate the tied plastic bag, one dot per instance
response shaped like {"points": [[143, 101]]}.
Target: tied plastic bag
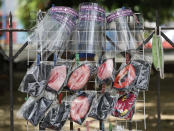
{"points": [[124, 106], [120, 32], [34, 109], [35, 80], [105, 71], [56, 27], [56, 117], [80, 76], [80, 107], [136, 74], [90, 28], [157, 55], [102, 106]]}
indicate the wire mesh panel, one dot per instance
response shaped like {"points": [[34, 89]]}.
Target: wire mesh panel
{"points": [[81, 57]]}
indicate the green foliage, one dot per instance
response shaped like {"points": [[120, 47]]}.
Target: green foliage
{"points": [[27, 11], [28, 8]]}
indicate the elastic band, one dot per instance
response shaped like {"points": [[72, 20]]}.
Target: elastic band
{"points": [[63, 9], [92, 7], [119, 13]]}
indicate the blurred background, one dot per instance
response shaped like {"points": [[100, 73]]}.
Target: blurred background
{"points": [[24, 16]]}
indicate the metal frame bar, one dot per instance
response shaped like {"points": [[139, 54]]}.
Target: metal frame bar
{"points": [[158, 31], [11, 58], [11, 71]]}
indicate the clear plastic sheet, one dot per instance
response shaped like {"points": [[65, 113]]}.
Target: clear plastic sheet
{"points": [[120, 30], [105, 71], [103, 106], [55, 28], [90, 28], [80, 107], [35, 80], [79, 77], [124, 106], [56, 117], [34, 109]]}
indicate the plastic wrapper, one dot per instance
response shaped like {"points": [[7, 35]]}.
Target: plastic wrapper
{"points": [[143, 79], [80, 76], [34, 109], [30, 101], [135, 74], [103, 106], [90, 28], [130, 114], [124, 106], [52, 32], [35, 80], [105, 71], [58, 76], [56, 117], [120, 31], [126, 77], [80, 107], [157, 55]]}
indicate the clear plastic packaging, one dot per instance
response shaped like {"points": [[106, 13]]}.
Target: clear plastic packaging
{"points": [[30, 101], [124, 106], [55, 28], [58, 76], [135, 74], [56, 117], [90, 28], [36, 78], [103, 106], [125, 78], [120, 30], [34, 109], [105, 71], [144, 75], [80, 76], [80, 107], [130, 114]]}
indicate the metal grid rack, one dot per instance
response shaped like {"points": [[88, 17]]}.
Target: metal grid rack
{"points": [[11, 59], [69, 51]]}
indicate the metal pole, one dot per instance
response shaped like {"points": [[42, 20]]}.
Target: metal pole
{"points": [[101, 125], [130, 126], [158, 101], [11, 71], [158, 80], [71, 125]]}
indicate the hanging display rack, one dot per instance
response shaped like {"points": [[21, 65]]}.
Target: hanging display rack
{"points": [[12, 57]]}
